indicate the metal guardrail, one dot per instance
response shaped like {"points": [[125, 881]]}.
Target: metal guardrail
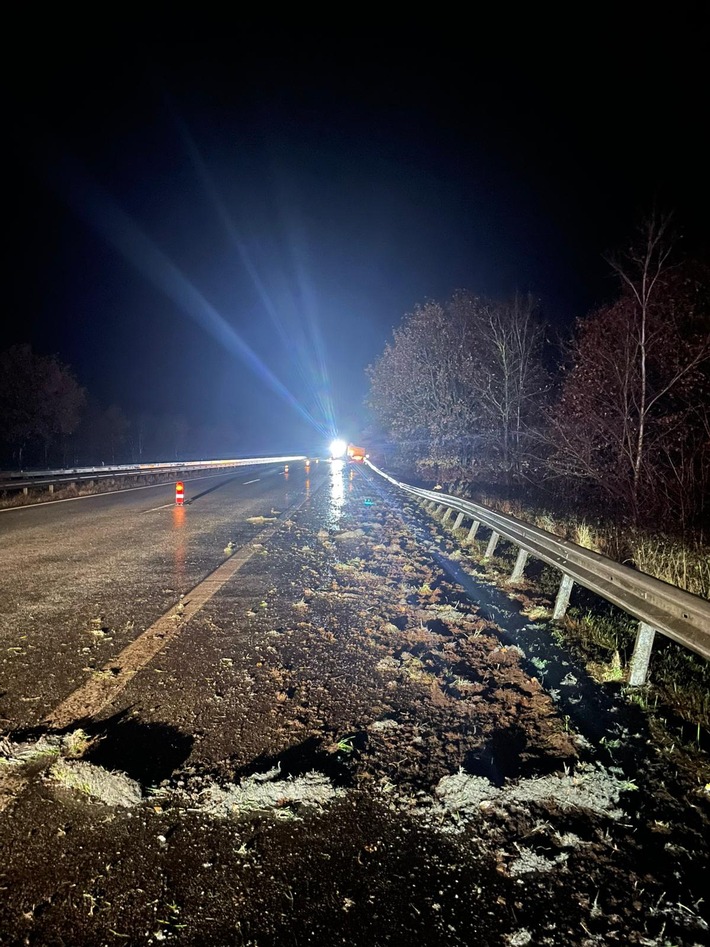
{"points": [[658, 606], [23, 480]]}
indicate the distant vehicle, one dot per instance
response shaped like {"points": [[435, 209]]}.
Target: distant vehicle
{"points": [[338, 449], [356, 454]]}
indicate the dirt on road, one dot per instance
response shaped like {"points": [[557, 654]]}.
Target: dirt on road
{"points": [[339, 748]]}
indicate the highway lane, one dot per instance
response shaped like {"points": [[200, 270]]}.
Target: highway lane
{"points": [[81, 579]]}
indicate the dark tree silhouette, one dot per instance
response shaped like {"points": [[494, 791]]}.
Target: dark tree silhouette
{"points": [[634, 413], [40, 403], [462, 383]]}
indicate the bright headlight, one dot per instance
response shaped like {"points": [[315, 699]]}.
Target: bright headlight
{"points": [[338, 448]]}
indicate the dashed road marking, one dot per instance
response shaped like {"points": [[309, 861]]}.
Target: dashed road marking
{"points": [[108, 682]]}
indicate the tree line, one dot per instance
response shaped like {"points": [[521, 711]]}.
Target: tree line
{"points": [[48, 419], [616, 417]]}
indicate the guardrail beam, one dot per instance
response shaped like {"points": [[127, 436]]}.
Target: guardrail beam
{"points": [[24, 480], [675, 613]]}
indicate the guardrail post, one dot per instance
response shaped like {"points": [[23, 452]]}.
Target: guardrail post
{"points": [[439, 508], [563, 594], [448, 513], [519, 566], [492, 543], [642, 654], [472, 532], [459, 521], [25, 490], [51, 488]]}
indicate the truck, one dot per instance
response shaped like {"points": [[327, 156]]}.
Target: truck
{"points": [[356, 454]]}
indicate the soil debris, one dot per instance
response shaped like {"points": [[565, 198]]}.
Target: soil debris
{"points": [[343, 747], [98, 784], [267, 792]]}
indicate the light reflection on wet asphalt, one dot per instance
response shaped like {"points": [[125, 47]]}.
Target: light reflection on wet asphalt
{"points": [[180, 545], [337, 494]]}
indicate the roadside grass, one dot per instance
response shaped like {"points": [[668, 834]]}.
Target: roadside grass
{"points": [[685, 564], [76, 743], [679, 680], [68, 491], [604, 640], [61, 492], [601, 631], [681, 562]]}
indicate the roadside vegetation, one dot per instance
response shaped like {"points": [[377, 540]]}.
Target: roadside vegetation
{"points": [[677, 695], [612, 424], [602, 438]]}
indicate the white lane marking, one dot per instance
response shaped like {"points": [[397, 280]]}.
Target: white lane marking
{"points": [[246, 482], [102, 688]]}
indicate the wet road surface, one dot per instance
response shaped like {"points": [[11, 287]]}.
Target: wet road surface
{"points": [[81, 579]]}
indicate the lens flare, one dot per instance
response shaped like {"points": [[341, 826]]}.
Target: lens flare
{"points": [[338, 448]]}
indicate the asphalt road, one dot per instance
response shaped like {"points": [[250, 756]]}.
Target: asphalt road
{"points": [[80, 579], [324, 741]]}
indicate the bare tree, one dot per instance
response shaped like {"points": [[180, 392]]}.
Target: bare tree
{"points": [[40, 402], [636, 391], [418, 385], [507, 378], [640, 270], [459, 381]]}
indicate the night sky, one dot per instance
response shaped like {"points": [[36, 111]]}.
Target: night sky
{"points": [[224, 219]]}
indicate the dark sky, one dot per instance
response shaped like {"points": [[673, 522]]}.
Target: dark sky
{"points": [[224, 219]]}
